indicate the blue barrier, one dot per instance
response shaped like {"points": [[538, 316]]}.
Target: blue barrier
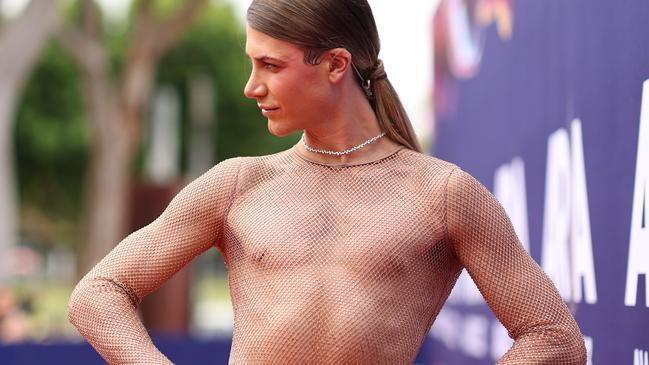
{"points": [[179, 350]]}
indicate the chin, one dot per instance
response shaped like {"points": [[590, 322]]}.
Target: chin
{"points": [[279, 130]]}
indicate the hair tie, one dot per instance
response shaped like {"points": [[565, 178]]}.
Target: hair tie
{"points": [[378, 72]]}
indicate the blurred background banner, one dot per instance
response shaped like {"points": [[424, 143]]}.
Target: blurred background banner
{"points": [[547, 104]]}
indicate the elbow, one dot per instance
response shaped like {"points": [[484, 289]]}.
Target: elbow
{"points": [[78, 305], [578, 350], [562, 344], [572, 347], [95, 301], [84, 306], [575, 345]]}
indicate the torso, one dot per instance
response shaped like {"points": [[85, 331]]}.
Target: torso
{"points": [[337, 264]]}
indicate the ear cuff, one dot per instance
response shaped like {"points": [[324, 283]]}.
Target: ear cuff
{"points": [[365, 84]]}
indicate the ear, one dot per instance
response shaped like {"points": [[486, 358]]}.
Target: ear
{"points": [[339, 61]]}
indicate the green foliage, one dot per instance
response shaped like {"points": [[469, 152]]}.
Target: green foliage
{"points": [[51, 139], [113, 34], [215, 46], [161, 8]]}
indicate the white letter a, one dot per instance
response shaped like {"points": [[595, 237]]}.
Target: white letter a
{"points": [[638, 262]]}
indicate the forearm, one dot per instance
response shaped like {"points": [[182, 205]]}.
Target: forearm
{"points": [[105, 314], [103, 305], [517, 290]]}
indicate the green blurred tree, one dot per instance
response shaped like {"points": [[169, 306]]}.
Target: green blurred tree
{"points": [[116, 101], [53, 128], [53, 138], [214, 46]]}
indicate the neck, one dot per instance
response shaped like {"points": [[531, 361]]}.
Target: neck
{"points": [[350, 123], [348, 128], [340, 153]]}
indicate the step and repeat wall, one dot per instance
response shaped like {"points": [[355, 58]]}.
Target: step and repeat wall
{"points": [[547, 104]]}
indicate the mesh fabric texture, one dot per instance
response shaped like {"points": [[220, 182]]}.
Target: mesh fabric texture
{"points": [[346, 264]]}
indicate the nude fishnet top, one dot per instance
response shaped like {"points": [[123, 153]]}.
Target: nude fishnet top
{"points": [[331, 264]]}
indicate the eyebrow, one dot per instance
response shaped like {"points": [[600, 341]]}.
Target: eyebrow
{"points": [[266, 58]]}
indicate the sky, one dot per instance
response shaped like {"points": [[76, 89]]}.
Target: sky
{"points": [[405, 29]]}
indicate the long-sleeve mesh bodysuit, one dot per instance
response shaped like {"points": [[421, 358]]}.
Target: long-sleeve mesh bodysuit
{"points": [[345, 264]]}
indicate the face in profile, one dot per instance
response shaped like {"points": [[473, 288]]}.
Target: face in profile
{"points": [[289, 92]]}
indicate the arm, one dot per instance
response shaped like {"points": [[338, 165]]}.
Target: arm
{"points": [[103, 305], [515, 287]]}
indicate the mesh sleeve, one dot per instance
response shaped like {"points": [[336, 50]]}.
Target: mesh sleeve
{"points": [[516, 289], [103, 304]]}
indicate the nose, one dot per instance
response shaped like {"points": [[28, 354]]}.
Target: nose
{"points": [[254, 88]]}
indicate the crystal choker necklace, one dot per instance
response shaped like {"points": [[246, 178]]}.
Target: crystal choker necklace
{"points": [[340, 153]]}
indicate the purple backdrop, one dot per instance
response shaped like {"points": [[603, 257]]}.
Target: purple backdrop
{"points": [[565, 60]]}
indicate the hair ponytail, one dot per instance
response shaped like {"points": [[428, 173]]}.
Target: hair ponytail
{"points": [[318, 25], [392, 116], [389, 111]]}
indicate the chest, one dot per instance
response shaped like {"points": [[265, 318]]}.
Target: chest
{"points": [[345, 223]]}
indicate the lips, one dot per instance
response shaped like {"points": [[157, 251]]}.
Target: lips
{"points": [[268, 111], [267, 108]]}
